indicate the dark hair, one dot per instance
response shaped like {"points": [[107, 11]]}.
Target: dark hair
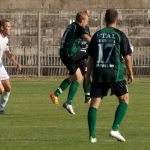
{"points": [[3, 21], [111, 16], [80, 16]]}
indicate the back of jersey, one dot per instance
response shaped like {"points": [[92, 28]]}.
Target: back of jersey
{"points": [[108, 62]]}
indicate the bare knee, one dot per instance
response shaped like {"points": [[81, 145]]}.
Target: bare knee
{"points": [[6, 85], [95, 102], [124, 98], [78, 76], [1, 89], [8, 89]]}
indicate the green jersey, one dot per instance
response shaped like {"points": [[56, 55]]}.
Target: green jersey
{"points": [[108, 47], [70, 40]]}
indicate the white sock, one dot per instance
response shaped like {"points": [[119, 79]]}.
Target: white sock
{"points": [[1, 108], [4, 99]]}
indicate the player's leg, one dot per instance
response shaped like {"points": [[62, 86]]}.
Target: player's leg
{"points": [[75, 76], [5, 88], [76, 79], [98, 90], [86, 86], [120, 89], [1, 92], [63, 86], [5, 95], [80, 58], [1, 88], [92, 113], [120, 111]]}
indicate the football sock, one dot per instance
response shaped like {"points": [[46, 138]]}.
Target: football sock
{"points": [[65, 83], [92, 121], [4, 99], [119, 115], [72, 91]]}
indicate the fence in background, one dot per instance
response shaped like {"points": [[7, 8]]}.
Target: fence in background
{"points": [[35, 40]]}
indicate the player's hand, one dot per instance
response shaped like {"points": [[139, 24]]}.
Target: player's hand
{"points": [[130, 78], [18, 66]]}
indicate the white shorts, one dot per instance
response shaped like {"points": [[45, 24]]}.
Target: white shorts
{"points": [[3, 73]]}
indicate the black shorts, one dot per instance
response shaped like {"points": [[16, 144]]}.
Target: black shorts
{"points": [[75, 62], [100, 89]]}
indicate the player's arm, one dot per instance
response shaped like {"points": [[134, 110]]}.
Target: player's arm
{"points": [[126, 53], [128, 61], [89, 68], [90, 61], [86, 37], [10, 56]]}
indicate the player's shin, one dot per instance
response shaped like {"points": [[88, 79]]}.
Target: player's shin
{"points": [[65, 83], [4, 99], [86, 88], [119, 115], [72, 91], [92, 121]]}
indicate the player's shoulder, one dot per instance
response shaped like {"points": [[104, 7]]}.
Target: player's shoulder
{"points": [[4, 39], [120, 32], [97, 33], [1, 37], [74, 25]]}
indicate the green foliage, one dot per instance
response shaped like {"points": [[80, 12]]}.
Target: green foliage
{"points": [[33, 122]]}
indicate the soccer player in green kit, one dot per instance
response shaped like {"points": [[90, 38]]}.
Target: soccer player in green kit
{"points": [[84, 45], [72, 58], [108, 51]]}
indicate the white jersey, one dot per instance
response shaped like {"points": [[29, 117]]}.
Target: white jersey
{"points": [[3, 47]]}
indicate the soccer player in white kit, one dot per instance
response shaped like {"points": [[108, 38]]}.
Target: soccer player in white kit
{"points": [[5, 87]]}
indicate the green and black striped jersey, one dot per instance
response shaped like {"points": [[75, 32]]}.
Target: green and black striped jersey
{"points": [[70, 40], [108, 47]]}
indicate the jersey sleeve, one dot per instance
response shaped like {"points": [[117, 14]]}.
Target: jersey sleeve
{"points": [[82, 31], [87, 29], [125, 45]]}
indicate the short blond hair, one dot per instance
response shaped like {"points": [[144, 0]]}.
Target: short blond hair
{"points": [[81, 16], [88, 12]]}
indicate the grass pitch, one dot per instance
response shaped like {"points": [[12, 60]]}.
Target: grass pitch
{"points": [[33, 122]]}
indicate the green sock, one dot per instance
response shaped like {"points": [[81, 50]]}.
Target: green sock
{"points": [[119, 115], [72, 91], [65, 83], [92, 121]]}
